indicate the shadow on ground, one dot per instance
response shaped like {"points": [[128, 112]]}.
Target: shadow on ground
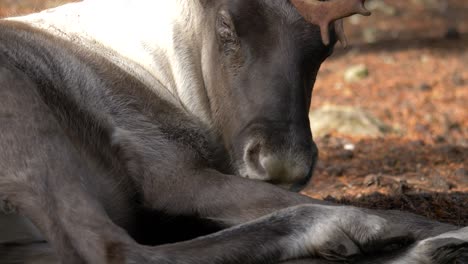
{"points": [[426, 179], [432, 205], [436, 44]]}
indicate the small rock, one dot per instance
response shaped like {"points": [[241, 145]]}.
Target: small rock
{"points": [[440, 183], [462, 173], [429, 117], [424, 87], [462, 142], [370, 35], [346, 121], [452, 33], [440, 139], [335, 170], [372, 179], [338, 186], [458, 80], [387, 59], [425, 58], [382, 7], [355, 20], [346, 155], [417, 144], [451, 152], [454, 126], [339, 86], [392, 161], [402, 187], [349, 146], [356, 73]]}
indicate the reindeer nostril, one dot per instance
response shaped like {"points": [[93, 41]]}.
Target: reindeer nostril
{"points": [[254, 150], [252, 159]]}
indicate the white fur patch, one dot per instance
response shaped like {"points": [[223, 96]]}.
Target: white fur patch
{"points": [[140, 34]]}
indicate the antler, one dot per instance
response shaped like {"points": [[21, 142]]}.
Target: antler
{"points": [[324, 13]]}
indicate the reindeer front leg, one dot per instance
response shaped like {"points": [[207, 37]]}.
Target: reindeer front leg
{"points": [[445, 248], [449, 247], [306, 230]]}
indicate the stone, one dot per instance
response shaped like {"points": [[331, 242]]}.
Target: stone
{"points": [[356, 73], [452, 33], [346, 120], [370, 35], [462, 175], [438, 182], [461, 172], [457, 79], [371, 179], [349, 147], [424, 87], [383, 7], [335, 170]]}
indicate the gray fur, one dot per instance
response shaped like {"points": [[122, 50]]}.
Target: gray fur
{"points": [[86, 146]]}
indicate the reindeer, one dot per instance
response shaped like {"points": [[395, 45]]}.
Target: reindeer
{"points": [[122, 117]]}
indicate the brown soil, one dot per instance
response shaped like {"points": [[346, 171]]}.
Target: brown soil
{"points": [[418, 84]]}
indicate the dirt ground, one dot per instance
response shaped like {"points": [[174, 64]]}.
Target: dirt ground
{"points": [[417, 83], [416, 53]]}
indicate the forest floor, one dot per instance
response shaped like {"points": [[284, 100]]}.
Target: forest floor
{"points": [[417, 84]]}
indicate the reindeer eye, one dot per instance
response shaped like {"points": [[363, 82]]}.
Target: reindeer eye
{"points": [[225, 27], [226, 32]]}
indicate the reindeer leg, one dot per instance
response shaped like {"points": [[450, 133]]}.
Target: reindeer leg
{"points": [[449, 247], [299, 231], [444, 248]]}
